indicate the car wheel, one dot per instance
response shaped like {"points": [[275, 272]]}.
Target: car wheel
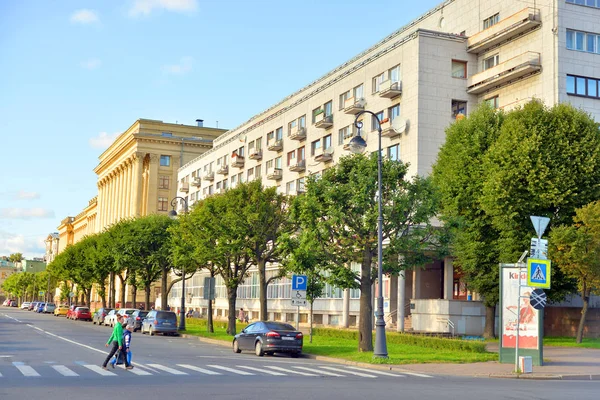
{"points": [[258, 349], [236, 347], [151, 331], [295, 355]]}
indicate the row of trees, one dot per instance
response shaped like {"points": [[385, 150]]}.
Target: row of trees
{"points": [[26, 286]]}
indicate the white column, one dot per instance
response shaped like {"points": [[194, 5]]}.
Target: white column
{"points": [[346, 308], [128, 170], [111, 202], [401, 313], [416, 285], [100, 204], [448, 278], [119, 196], [137, 185]]}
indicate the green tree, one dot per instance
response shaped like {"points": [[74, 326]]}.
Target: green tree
{"points": [[340, 209], [15, 257], [576, 250]]}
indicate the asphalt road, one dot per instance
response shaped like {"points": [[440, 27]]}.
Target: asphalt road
{"points": [[45, 357]]}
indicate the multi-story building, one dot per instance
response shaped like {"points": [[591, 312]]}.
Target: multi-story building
{"points": [[420, 78], [137, 176], [34, 265], [51, 243]]}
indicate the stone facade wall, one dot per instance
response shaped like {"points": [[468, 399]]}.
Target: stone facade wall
{"points": [[563, 321]]}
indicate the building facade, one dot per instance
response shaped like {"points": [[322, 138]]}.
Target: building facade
{"points": [[51, 243], [420, 78]]}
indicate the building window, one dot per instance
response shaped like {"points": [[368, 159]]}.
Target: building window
{"points": [[394, 74], [459, 107], [393, 152], [491, 21], [250, 174], [344, 133], [589, 3], [328, 107], [491, 61], [493, 102], [459, 69], [327, 142], [163, 204], [300, 185], [343, 97], [583, 41], [374, 123], [290, 187], [394, 112], [582, 86], [291, 158], [270, 137], [163, 181], [377, 82], [358, 92], [257, 172], [314, 146], [165, 161], [279, 133]]}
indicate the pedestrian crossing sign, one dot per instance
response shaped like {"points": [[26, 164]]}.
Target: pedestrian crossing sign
{"points": [[538, 273]]}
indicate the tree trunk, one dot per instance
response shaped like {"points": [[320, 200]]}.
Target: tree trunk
{"points": [[209, 317], [111, 295], [134, 295], [262, 279], [489, 331], [163, 289], [585, 295], [88, 298], [147, 296], [231, 297], [122, 292], [365, 324], [102, 293], [311, 321]]}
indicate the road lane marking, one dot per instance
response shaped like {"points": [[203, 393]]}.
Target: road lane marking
{"points": [[348, 372], [167, 369], [26, 370], [416, 374], [288, 370], [138, 371], [318, 371], [8, 316], [262, 370], [194, 368], [99, 370], [235, 371], [61, 369], [67, 340], [377, 372]]}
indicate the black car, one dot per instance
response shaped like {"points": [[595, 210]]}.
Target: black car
{"points": [[267, 337], [136, 319], [99, 315]]}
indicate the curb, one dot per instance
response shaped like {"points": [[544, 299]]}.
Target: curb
{"points": [[563, 377]]}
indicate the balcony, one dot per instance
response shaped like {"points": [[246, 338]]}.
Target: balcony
{"points": [[324, 155], [223, 170], [275, 174], [221, 190], [354, 106], [255, 154], [209, 176], [196, 181], [185, 187], [276, 145], [237, 161], [519, 67], [297, 133], [387, 130], [323, 122], [300, 166], [508, 29], [389, 89]]}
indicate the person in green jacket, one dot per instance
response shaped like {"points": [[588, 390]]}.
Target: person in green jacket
{"points": [[117, 342]]}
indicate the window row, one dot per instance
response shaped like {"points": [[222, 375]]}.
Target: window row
{"points": [[582, 86], [590, 3], [583, 41]]}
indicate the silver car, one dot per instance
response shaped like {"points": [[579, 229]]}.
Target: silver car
{"points": [[49, 308]]}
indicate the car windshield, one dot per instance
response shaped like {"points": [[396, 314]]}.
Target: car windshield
{"points": [[83, 309], [142, 313], [50, 304], [276, 326], [166, 315], [129, 312]]}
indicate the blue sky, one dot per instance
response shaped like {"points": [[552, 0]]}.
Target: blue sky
{"points": [[74, 73]]}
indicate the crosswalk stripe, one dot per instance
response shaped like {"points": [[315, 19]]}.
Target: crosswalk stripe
{"points": [[416, 374], [61, 369], [289, 370], [235, 371], [26, 370], [318, 371], [262, 370], [377, 372], [348, 372], [167, 369], [97, 369], [194, 368]]}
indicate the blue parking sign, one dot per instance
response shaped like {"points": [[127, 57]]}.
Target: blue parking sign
{"points": [[299, 282]]}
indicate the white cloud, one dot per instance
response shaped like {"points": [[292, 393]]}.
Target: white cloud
{"points": [[145, 7], [30, 246], [23, 195], [25, 213], [183, 67], [84, 16], [91, 63], [103, 140]]}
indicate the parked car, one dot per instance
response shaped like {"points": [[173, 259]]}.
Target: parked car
{"points": [[32, 305], [164, 322], [266, 337], [61, 310], [136, 319], [49, 308], [82, 313], [13, 303], [6, 302], [111, 319], [25, 305], [98, 317], [40, 307], [72, 308]]}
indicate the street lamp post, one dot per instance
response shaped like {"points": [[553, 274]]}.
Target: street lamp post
{"points": [[173, 214], [358, 145]]}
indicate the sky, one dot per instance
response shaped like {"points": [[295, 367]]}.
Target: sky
{"points": [[75, 73]]}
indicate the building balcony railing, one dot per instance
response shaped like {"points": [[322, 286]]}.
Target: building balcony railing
{"points": [[223, 170], [275, 174], [519, 67], [354, 106], [209, 176], [297, 133], [387, 130], [276, 145], [507, 29], [237, 161], [390, 89], [323, 122], [300, 166], [221, 190], [184, 187], [196, 181], [255, 154], [324, 155]]}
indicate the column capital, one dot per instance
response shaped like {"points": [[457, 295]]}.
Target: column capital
{"points": [[139, 155], [154, 158]]}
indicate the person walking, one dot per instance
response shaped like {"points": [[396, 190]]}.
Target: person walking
{"points": [[116, 339], [124, 356]]}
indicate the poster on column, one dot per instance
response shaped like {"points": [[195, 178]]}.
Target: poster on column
{"points": [[527, 315]]}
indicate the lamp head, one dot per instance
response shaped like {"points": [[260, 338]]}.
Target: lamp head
{"points": [[357, 144], [173, 214]]}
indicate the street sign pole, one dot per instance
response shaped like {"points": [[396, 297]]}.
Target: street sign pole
{"points": [[520, 268]]}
